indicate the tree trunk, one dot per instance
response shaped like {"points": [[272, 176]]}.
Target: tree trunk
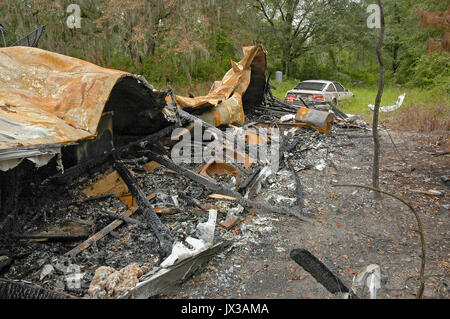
{"points": [[376, 138]]}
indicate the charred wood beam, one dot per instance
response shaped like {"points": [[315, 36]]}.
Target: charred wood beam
{"points": [[287, 146], [91, 199], [338, 112], [21, 290], [441, 154], [320, 272], [192, 118], [160, 230], [51, 237], [75, 171], [219, 189]]}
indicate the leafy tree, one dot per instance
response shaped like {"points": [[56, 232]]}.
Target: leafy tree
{"points": [[289, 25]]}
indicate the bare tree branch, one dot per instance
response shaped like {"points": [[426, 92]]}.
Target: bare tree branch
{"points": [[263, 10]]}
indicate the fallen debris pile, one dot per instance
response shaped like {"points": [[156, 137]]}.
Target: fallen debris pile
{"points": [[100, 165]]}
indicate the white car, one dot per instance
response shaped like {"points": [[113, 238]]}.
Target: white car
{"points": [[316, 91]]}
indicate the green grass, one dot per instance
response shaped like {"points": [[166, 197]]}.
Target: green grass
{"points": [[427, 100], [282, 87]]}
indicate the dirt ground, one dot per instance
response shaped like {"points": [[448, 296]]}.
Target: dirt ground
{"points": [[351, 229]]}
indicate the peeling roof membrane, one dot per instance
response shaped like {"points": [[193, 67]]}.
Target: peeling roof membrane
{"points": [[242, 86], [49, 100]]}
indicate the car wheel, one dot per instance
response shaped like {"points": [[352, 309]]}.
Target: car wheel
{"points": [[335, 102]]}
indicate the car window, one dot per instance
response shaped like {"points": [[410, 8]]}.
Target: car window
{"points": [[311, 86], [331, 88], [339, 87]]}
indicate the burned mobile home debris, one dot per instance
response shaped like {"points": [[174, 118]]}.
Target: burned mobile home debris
{"points": [[84, 150]]}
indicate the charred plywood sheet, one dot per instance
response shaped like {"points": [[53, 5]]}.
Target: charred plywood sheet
{"points": [[48, 99]]}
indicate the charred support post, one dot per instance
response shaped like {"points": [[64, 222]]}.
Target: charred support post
{"points": [[160, 230], [320, 272], [179, 113]]}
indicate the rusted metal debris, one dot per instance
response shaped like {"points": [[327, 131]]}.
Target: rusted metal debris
{"points": [[242, 85], [320, 120]]}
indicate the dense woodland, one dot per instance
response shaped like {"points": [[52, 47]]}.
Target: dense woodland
{"points": [[190, 42]]}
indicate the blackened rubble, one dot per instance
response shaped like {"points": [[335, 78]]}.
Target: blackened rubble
{"points": [[61, 205], [151, 213], [153, 205]]}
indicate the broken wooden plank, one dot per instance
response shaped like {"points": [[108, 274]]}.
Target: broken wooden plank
{"points": [[51, 237], [243, 188], [72, 231], [105, 231], [164, 280], [219, 196], [160, 230]]}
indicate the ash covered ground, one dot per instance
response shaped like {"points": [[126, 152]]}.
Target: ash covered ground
{"points": [[348, 228]]}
